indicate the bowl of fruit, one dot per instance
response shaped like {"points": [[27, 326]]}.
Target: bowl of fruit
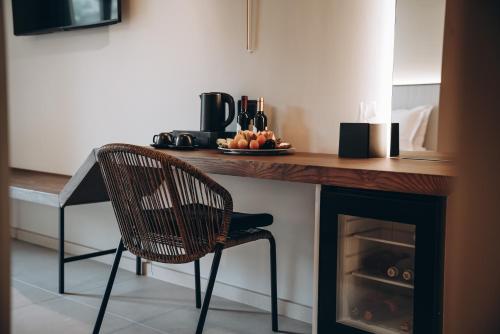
{"points": [[250, 143]]}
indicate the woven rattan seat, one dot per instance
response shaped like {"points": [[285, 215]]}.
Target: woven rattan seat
{"points": [[239, 220]]}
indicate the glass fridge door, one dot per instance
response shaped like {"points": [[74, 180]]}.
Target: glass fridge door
{"points": [[375, 275]]}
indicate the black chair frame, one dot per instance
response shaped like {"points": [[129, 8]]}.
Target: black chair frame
{"points": [[208, 293]]}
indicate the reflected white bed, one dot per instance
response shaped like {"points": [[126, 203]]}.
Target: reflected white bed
{"points": [[416, 108]]}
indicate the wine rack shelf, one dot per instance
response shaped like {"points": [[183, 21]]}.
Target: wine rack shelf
{"points": [[388, 237], [382, 279]]}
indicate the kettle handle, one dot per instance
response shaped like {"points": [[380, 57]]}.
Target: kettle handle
{"points": [[230, 101]]}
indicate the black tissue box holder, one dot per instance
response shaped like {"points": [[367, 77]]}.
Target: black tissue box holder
{"points": [[354, 140]]}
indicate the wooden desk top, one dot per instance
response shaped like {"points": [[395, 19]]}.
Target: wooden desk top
{"points": [[395, 174]]}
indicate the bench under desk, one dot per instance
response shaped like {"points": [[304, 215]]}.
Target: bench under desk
{"points": [[60, 191]]}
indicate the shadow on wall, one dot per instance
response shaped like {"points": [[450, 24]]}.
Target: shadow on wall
{"points": [[74, 41], [294, 128]]}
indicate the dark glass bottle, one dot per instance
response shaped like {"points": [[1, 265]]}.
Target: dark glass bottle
{"points": [[379, 262], [376, 307], [260, 120], [243, 119], [403, 267]]}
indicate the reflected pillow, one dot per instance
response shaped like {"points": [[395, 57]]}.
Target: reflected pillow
{"points": [[412, 127]]}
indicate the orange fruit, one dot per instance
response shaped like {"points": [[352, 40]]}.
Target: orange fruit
{"points": [[242, 143], [233, 144], [261, 139], [254, 145], [238, 137]]}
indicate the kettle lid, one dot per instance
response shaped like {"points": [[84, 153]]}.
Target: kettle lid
{"points": [[212, 93]]}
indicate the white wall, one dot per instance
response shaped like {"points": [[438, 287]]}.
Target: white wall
{"points": [[315, 61], [418, 41]]}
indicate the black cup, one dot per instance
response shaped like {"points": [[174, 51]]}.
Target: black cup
{"points": [[164, 138], [184, 140]]}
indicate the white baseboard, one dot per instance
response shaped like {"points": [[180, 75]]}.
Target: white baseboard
{"points": [[127, 262], [156, 270]]}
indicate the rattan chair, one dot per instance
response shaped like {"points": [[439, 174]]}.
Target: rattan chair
{"points": [[169, 211]]}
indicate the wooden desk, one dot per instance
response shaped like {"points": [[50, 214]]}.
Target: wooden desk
{"points": [[395, 174], [386, 189]]}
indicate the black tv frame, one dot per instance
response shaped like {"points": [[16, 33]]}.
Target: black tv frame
{"points": [[68, 28]]}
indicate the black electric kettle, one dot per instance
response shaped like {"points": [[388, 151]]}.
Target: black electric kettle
{"points": [[213, 111]]}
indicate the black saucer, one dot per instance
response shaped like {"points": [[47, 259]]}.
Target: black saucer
{"points": [[159, 145], [173, 147]]}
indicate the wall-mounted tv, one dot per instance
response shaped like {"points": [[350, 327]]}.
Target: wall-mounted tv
{"points": [[32, 17]]}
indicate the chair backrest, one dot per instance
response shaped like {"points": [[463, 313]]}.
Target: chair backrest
{"points": [[167, 210]]}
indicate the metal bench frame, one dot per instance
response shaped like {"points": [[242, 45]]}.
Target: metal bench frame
{"points": [[61, 191], [63, 259]]}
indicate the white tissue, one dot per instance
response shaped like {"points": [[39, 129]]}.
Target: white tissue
{"points": [[368, 113]]}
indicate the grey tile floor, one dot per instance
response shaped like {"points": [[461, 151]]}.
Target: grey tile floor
{"points": [[137, 304]]}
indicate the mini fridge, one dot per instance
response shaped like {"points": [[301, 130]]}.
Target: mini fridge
{"points": [[380, 267]]}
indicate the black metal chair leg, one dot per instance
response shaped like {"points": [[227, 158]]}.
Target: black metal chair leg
{"points": [[61, 250], [138, 265], [210, 287], [274, 286], [109, 286], [197, 283]]}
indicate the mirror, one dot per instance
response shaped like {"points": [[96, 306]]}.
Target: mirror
{"points": [[418, 49]]}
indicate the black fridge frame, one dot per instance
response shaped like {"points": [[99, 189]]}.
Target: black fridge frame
{"points": [[427, 213]]}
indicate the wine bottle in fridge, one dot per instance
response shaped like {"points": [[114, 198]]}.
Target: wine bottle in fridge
{"points": [[403, 267], [374, 307], [379, 262]]}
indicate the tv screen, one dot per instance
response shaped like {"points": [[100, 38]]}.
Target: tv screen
{"points": [[43, 16]]}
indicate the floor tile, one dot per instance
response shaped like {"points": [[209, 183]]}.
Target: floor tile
{"points": [[139, 329], [61, 316], [24, 295], [139, 298], [39, 266], [137, 305], [223, 321]]}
